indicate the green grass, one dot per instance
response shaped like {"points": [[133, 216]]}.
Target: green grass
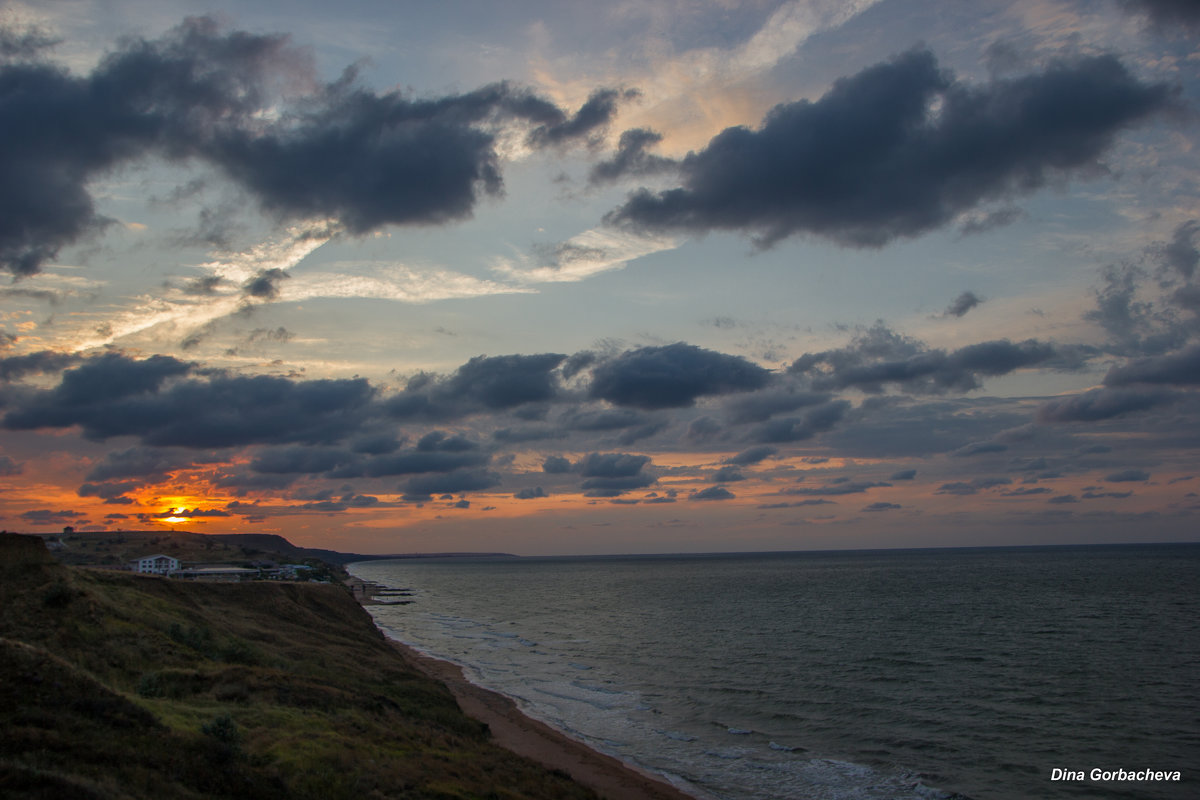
{"points": [[121, 686]]}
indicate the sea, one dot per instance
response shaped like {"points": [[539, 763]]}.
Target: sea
{"points": [[982, 673]]}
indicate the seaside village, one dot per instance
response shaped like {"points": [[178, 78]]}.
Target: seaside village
{"points": [[159, 564], [135, 552]]}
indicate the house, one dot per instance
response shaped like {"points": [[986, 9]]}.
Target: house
{"points": [[155, 565], [218, 572]]}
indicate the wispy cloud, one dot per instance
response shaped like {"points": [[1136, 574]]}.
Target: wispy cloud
{"points": [[234, 281], [699, 91], [580, 257]]}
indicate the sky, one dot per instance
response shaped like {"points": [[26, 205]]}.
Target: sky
{"points": [[628, 277]]}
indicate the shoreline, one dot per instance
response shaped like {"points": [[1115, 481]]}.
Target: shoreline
{"points": [[519, 733], [513, 730]]}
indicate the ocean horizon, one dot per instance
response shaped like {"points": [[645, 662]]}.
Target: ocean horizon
{"points": [[1000, 672]]}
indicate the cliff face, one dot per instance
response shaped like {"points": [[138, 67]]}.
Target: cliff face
{"points": [[122, 686]]}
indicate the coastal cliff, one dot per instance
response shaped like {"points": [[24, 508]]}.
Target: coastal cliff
{"points": [[115, 685]]}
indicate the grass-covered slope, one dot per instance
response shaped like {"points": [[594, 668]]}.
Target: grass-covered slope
{"points": [[122, 686]]}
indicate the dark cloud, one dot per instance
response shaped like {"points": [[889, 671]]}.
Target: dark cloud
{"points": [[712, 493], [527, 433], [422, 487], [43, 361], [111, 491], [482, 384], [1180, 254], [870, 162], [298, 460], [631, 158], [192, 512], [370, 160], [1105, 403], [728, 475], [561, 254], [556, 465], [1135, 326], [46, 516], [440, 441], [799, 504], [345, 153], [1180, 368], [836, 488], [578, 363], [1169, 16], [752, 455], [603, 420], [878, 357], [166, 96], [962, 304], [797, 429], [881, 507], [265, 285], [1128, 476], [531, 494], [8, 467], [672, 376], [762, 405], [203, 286], [1187, 297], [347, 500], [24, 43], [45, 295], [611, 465], [614, 487], [113, 395], [139, 462], [613, 474], [632, 435], [590, 119], [903, 475], [376, 444], [97, 382], [893, 426], [703, 428], [243, 483], [972, 487], [980, 448], [412, 462]]}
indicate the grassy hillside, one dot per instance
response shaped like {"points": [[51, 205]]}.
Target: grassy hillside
{"points": [[122, 686]]}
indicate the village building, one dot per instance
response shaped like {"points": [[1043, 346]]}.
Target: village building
{"points": [[157, 564], [222, 573]]}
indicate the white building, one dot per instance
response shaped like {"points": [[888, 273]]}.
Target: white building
{"points": [[155, 565]]}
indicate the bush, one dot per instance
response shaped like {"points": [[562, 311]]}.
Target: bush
{"points": [[224, 733], [58, 595], [150, 685]]}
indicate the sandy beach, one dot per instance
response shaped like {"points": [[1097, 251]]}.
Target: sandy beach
{"points": [[511, 729]]}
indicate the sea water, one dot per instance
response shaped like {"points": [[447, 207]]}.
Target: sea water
{"points": [[885, 674]]}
